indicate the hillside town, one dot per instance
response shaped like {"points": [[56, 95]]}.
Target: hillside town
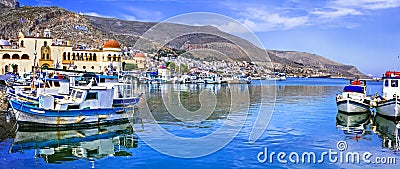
{"points": [[20, 56]]}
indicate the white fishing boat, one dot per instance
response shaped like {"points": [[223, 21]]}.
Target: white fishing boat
{"points": [[277, 76], [389, 105], [354, 98]]}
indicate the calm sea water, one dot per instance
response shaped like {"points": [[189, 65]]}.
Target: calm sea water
{"points": [[305, 119]]}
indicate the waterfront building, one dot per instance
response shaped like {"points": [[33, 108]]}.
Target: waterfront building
{"points": [[20, 55]]}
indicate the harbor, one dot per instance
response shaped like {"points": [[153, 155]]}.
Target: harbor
{"points": [[318, 126]]}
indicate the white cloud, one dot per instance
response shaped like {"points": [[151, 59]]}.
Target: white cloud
{"points": [[143, 14], [96, 14], [259, 19], [129, 17], [335, 12], [232, 27], [367, 4]]}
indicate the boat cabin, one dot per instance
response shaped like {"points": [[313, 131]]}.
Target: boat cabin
{"points": [[391, 88], [85, 97]]}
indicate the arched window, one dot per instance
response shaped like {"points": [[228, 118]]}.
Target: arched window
{"points": [[15, 56], [94, 57], [45, 43], [22, 43], [64, 56], [73, 56], [6, 68], [86, 57], [24, 56], [48, 56], [69, 56], [6, 56], [90, 56]]}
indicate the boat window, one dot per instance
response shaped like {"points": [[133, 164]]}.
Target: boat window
{"points": [[47, 85], [56, 84], [386, 83], [91, 96], [73, 93], [394, 83], [78, 95]]}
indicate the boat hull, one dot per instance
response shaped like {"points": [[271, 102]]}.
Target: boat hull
{"points": [[351, 106], [390, 108], [29, 115]]}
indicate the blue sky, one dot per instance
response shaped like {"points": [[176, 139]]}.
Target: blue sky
{"points": [[364, 33]]}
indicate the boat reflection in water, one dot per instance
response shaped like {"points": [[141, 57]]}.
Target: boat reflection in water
{"points": [[68, 145], [388, 130], [354, 124]]}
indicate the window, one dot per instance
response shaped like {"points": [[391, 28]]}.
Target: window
{"points": [[64, 56], [6, 56], [78, 95], [15, 56], [394, 83], [84, 67], [91, 96], [386, 83], [24, 56], [92, 67], [56, 84]]}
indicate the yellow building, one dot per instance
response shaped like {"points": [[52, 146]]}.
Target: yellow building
{"points": [[18, 56]]}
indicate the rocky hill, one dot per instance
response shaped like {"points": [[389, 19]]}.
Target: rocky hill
{"points": [[94, 31]]}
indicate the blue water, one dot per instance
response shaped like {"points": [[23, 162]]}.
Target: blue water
{"points": [[305, 119]]}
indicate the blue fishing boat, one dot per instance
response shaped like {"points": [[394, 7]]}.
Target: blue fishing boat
{"points": [[85, 106]]}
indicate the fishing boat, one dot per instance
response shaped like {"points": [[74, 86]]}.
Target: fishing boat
{"points": [[279, 76], [354, 98], [215, 79], [85, 106], [389, 105]]}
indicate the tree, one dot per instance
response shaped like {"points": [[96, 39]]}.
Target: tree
{"points": [[130, 66], [171, 65], [183, 69]]}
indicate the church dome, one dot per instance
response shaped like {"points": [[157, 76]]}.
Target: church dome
{"points": [[111, 44], [139, 55]]}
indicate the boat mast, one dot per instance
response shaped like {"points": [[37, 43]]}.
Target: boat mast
{"points": [[34, 67]]}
